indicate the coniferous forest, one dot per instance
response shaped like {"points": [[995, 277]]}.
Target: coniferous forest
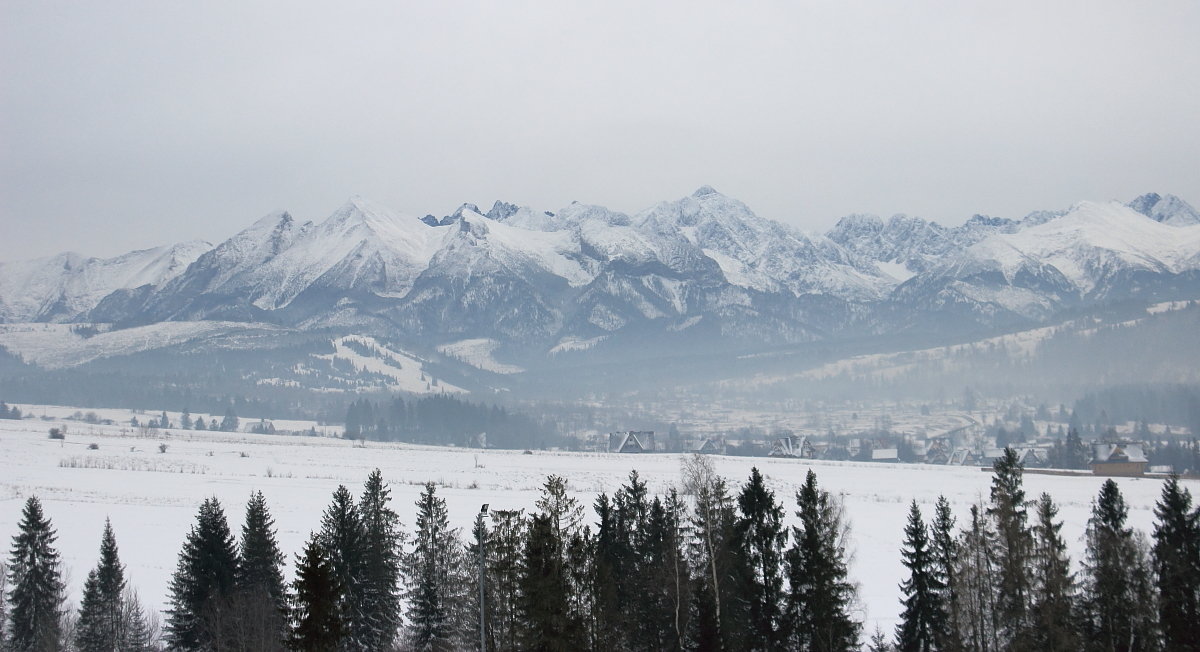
{"points": [[705, 566]]}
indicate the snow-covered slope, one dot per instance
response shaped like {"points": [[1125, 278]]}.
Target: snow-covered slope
{"points": [[1095, 252], [1169, 209], [61, 287]]}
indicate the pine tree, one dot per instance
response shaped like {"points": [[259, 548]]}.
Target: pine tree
{"points": [[1013, 538], [1053, 587], [435, 578], [261, 599], [923, 621], [203, 583], [759, 539], [100, 627], [3, 603], [1116, 593], [1176, 557], [379, 600], [944, 551], [315, 604], [820, 596], [342, 537], [36, 596]]}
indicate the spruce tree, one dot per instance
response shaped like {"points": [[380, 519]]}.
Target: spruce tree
{"points": [[1013, 538], [137, 632], [315, 602], [1176, 556], [261, 596], [34, 573], [759, 539], [100, 627], [923, 621], [342, 537], [944, 551], [1053, 586], [435, 578], [1116, 595], [547, 624], [820, 596], [200, 615], [382, 541]]}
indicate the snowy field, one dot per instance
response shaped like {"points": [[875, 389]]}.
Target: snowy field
{"points": [[152, 496]]}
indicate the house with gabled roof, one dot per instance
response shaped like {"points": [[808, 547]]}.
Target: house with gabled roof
{"points": [[793, 446], [631, 441], [1118, 458]]}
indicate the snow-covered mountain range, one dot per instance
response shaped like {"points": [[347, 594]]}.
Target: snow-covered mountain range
{"points": [[697, 272]]}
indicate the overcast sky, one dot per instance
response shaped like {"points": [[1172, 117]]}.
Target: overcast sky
{"points": [[131, 124]]}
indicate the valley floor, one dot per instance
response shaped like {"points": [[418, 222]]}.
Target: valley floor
{"points": [[152, 496]]}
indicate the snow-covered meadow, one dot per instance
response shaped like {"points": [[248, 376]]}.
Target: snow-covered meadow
{"points": [[152, 495]]}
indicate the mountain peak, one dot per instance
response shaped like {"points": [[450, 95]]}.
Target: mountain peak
{"points": [[704, 191], [1167, 209]]}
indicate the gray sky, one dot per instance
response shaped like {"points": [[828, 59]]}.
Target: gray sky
{"points": [[130, 124]]}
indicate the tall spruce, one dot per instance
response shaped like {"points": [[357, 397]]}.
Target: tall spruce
{"points": [[1053, 586], [203, 583], [923, 622], [1176, 556], [547, 623], [759, 538], [101, 626], [383, 538], [1014, 540], [35, 576], [435, 579], [261, 597], [944, 551], [566, 520], [315, 609], [1117, 602], [342, 537], [820, 596]]}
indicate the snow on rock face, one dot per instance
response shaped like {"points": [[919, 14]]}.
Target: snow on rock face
{"points": [[63, 286], [1169, 209]]}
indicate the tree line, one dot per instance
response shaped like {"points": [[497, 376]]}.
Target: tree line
{"points": [[699, 567], [441, 419]]}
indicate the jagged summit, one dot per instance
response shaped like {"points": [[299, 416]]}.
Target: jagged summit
{"points": [[702, 266], [1167, 209]]}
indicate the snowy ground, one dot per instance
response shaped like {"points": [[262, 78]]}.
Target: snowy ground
{"points": [[152, 496]]}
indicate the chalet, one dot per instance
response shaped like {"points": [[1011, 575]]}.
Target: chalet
{"points": [[938, 451], [1118, 458], [793, 446], [712, 446], [631, 441], [1033, 458]]}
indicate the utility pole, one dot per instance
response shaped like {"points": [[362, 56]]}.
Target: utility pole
{"points": [[482, 577]]}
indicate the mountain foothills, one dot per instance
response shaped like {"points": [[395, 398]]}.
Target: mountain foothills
{"points": [[698, 274]]}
